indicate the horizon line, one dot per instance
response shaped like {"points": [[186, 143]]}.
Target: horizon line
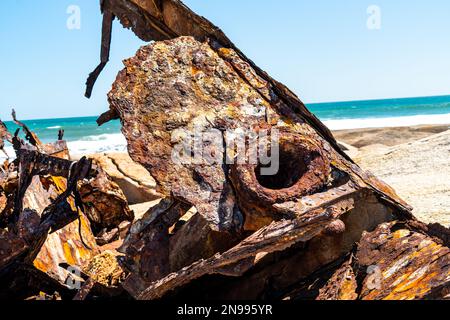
{"points": [[378, 99]]}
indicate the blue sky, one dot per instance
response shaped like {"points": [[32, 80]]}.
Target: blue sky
{"points": [[321, 49]]}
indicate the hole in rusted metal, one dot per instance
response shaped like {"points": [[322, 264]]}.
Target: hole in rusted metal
{"points": [[294, 162]]}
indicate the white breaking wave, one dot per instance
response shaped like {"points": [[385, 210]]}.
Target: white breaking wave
{"points": [[405, 121], [54, 127], [98, 144], [87, 145], [10, 151]]}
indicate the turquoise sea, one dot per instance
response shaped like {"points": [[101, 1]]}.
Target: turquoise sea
{"points": [[84, 136], [384, 113]]}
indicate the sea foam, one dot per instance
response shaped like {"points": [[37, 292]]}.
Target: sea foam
{"points": [[98, 144], [87, 145]]}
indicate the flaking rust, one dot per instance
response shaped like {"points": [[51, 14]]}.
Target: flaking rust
{"points": [[318, 227], [252, 236]]}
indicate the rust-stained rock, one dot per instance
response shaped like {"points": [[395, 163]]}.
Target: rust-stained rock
{"points": [[136, 183], [204, 187]]}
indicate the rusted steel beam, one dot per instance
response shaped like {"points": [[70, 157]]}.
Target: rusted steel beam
{"points": [[108, 18]]}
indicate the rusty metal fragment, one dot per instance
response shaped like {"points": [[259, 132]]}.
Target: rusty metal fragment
{"points": [[317, 228], [342, 285], [403, 263], [43, 212], [29, 135], [106, 205], [108, 18]]}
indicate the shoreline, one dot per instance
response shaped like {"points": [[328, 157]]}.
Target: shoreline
{"points": [[387, 136]]}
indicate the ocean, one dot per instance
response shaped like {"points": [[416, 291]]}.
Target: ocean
{"points": [[85, 137]]}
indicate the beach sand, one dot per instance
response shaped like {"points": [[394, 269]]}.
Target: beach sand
{"points": [[415, 161], [388, 136]]}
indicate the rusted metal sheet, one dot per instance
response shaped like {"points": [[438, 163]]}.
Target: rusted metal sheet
{"points": [[403, 263], [42, 225]]}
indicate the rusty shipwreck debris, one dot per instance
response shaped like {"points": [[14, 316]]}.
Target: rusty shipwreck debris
{"points": [[318, 227], [47, 234], [251, 236]]}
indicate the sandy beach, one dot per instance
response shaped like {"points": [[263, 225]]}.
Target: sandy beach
{"points": [[413, 160]]}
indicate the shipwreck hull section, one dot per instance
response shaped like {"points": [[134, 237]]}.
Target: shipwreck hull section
{"points": [[172, 88]]}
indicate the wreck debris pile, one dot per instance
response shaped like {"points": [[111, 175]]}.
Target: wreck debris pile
{"points": [[48, 218], [318, 227]]}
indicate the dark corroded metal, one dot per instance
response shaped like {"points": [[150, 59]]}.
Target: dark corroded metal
{"points": [[197, 79]]}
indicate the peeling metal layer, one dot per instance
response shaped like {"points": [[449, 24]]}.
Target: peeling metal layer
{"points": [[276, 237], [404, 264], [342, 285]]}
